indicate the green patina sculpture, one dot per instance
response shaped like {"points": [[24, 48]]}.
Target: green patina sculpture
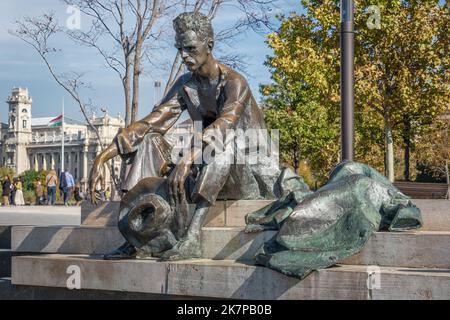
{"points": [[317, 230]]}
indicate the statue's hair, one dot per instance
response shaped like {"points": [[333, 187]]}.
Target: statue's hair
{"points": [[195, 21]]}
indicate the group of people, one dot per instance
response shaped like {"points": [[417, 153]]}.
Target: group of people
{"points": [[67, 186], [12, 191]]}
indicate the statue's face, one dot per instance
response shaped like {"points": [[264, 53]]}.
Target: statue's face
{"points": [[193, 50]]}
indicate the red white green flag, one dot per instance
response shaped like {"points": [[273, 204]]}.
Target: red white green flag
{"points": [[57, 122]]}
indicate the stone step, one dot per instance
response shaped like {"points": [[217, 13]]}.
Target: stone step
{"points": [[8, 291], [231, 213], [40, 215], [229, 279], [408, 249], [5, 262], [5, 237]]}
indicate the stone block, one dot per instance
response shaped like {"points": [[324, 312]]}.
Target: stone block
{"points": [[5, 237], [408, 249], [230, 279]]}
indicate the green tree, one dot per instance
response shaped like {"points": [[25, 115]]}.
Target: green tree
{"points": [[6, 171], [401, 73]]}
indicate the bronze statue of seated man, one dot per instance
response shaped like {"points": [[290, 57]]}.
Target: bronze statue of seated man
{"points": [[166, 201], [155, 218]]}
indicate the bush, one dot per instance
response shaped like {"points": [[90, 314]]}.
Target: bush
{"points": [[425, 173], [29, 197], [29, 179]]}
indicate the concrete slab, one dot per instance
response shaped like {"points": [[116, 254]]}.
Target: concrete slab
{"points": [[409, 249], [229, 279], [40, 215], [8, 291], [5, 237], [435, 214], [6, 259], [89, 240], [5, 263], [231, 213], [105, 214], [415, 249]]}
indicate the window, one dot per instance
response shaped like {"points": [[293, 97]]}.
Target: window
{"points": [[24, 124], [24, 111]]}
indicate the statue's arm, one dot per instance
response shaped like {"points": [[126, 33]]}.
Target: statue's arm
{"points": [[160, 120]]}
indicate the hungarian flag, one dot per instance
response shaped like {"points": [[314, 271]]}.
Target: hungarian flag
{"points": [[57, 122]]}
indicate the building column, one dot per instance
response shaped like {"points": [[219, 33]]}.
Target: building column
{"points": [[52, 163], [69, 162], [79, 165], [85, 172], [55, 161], [35, 162], [38, 158], [44, 164]]}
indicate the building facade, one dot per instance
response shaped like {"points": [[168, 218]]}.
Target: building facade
{"points": [[28, 143]]}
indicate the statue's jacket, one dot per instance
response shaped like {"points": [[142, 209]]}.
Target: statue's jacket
{"points": [[143, 143]]}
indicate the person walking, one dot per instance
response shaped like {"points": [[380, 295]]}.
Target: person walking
{"points": [[51, 181], [66, 185], [12, 194], [18, 197], [6, 190], [39, 193]]}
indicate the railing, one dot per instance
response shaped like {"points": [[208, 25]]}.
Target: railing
{"points": [[53, 139]]}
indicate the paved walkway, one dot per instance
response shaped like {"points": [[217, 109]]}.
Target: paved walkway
{"points": [[40, 215]]}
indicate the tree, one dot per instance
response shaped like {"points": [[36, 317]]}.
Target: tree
{"points": [[6, 171], [402, 70], [128, 26], [401, 81], [127, 33]]}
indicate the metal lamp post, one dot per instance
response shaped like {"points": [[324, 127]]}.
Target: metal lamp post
{"points": [[347, 80]]}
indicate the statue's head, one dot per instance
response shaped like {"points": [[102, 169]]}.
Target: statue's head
{"points": [[194, 38]]}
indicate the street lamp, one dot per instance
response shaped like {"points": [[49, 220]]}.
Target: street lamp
{"points": [[347, 80]]}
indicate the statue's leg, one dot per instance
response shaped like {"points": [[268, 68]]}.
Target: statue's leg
{"points": [[150, 160], [190, 246], [211, 180], [125, 251]]}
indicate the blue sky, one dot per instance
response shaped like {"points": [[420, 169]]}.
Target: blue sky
{"points": [[21, 66]]}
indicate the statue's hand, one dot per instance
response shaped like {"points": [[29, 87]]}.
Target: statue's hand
{"points": [[176, 181], [95, 175]]}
